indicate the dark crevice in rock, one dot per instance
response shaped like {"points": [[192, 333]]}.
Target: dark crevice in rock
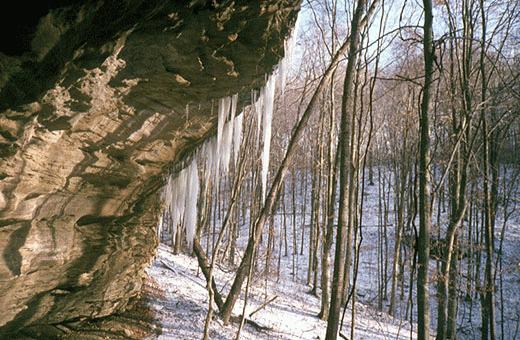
{"points": [[60, 123], [7, 135], [8, 149], [18, 41], [11, 221], [32, 195], [24, 316], [91, 219], [11, 253], [103, 180]]}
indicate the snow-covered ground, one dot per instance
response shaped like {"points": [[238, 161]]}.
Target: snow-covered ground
{"points": [[292, 315], [507, 295]]}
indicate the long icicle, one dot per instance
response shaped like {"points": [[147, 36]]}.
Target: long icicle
{"points": [[268, 96], [237, 136], [223, 111], [227, 137], [192, 194]]}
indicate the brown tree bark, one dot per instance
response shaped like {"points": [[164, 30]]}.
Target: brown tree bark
{"points": [[423, 305], [344, 148]]}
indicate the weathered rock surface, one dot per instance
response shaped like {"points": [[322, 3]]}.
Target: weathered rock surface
{"points": [[107, 97]]}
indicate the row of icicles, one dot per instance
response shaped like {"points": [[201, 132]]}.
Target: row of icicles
{"points": [[181, 191]]}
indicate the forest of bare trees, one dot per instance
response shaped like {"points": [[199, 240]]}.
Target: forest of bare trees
{"points": [[393, 178]]}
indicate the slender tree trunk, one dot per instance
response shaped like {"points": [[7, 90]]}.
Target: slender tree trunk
{"points": [[178, 240], [453, 282], [423, 306], [304, 207], [400, 185], [488, 191], [284, 211], [318, 217], [295, 242], [330, 207], [370, 168], [314, 220], [344, 169], [380, 240]]}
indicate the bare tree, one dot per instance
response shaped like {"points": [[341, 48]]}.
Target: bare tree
{"points": [[423, 242]]}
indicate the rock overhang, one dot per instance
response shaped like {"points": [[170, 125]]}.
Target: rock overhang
{"points": [[90, 123]]}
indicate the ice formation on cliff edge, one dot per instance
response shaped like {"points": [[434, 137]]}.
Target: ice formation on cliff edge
{"points": [[181, 191]]}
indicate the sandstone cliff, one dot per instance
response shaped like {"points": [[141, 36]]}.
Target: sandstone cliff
{"points": [[103, 101]]}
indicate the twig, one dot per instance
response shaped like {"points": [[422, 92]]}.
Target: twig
{"points": [[263, 305], [167, 266], [255, 324]]}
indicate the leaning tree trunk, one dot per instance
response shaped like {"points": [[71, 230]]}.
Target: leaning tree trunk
{"points": [[260, 221]]}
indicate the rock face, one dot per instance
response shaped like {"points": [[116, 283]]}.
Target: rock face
{"points": [[95, 108]]}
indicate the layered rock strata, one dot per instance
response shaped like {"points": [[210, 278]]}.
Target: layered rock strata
{"points": [[105, 98]]}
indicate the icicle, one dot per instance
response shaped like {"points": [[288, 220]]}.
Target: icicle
{"points": [[234, 102], [223, 111], [160, 226], [237, 135], [285, 63], [268, 94], [178, 199], [259, 102], [190, 204], [227, 137], [170, 200], [180, 196], [227, 140], [166, 193], [283, 67], [215, 164], [209, 153]]}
